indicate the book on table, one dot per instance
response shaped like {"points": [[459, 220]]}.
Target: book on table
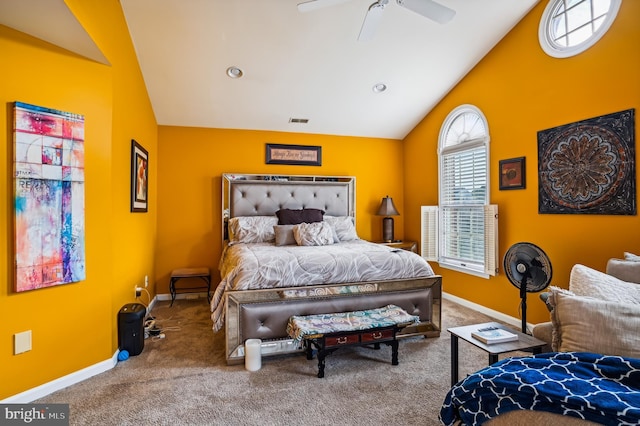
{"points": [[489, 335]]}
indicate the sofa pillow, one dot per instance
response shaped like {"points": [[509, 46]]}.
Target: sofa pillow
{"points": [[294, 217], [284, 235], [585, 281], [626, 270], [631, 256], [252, 229], [313, 234], [585, 324], [343, 226]]}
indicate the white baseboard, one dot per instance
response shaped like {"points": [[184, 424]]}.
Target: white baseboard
{"points": [[68, 380], [152, 304], [63, 382], [516, 322], [194, 295]]}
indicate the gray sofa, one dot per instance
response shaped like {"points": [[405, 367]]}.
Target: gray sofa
{"points": [[609, 328], [627, 269]]}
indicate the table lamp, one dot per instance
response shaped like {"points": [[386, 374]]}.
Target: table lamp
{"points": [[387, 209]]}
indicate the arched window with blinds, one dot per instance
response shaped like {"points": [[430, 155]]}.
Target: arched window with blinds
{"points": [[461, 232]]}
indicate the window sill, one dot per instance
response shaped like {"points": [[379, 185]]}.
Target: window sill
{"points": [[464, 270]]}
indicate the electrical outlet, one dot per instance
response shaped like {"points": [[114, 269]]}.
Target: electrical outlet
{"points": [[146, 281]]}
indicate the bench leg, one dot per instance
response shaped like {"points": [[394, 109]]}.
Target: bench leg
{"points": [[321, 355], [308, 349], [207, 280], [394, 352], [172, 289]]}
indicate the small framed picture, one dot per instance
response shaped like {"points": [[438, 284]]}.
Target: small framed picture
{"points": [[301, 155], [139, 177], [512, 173]]}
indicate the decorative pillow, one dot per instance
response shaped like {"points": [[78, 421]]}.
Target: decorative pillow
{"points": [[343, 225], [284, 235], [585, 281], [546, 296], [631, 256], [252, 229], [625, 270], [313, 234], [584, 324], [294, 217]]}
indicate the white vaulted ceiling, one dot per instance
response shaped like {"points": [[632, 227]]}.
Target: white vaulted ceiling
{"points": [[307, 65]]}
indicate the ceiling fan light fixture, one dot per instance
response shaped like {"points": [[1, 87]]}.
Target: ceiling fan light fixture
{"points": [[379, 87], [234, 72]]}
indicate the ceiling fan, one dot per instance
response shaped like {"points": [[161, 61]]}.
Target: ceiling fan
{"points": [[427, 8]]}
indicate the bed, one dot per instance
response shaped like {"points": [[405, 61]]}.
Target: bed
{"points": [[551, 388], [267, 278]]}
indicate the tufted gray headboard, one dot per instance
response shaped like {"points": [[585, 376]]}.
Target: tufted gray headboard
{"points": [[264, 195]]}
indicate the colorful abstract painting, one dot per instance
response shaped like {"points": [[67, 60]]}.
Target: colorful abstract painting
{"points": [[49, 197], [588, 167]]}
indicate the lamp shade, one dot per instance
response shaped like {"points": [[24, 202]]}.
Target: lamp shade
{"points": [[387, 208]]}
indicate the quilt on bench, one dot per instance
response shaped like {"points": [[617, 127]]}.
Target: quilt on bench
{"points": [[594, 387], [300, 327]]}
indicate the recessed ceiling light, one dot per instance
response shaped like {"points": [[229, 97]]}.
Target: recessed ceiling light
{"points": [[379, 88], [234, 72]]}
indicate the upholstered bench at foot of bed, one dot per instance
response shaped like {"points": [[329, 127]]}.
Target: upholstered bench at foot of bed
{"points": [[202, 273], [330, 332]]}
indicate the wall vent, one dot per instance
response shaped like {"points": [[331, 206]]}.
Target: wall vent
{"points": [[298, 120]]}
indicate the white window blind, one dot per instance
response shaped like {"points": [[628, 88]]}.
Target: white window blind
{"points": [[464, 177]]}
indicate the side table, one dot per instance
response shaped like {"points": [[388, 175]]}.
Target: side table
{"points": [[404, 245], [524, 342]]}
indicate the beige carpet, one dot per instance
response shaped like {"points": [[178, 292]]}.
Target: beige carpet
{"points": [[184, 379]]}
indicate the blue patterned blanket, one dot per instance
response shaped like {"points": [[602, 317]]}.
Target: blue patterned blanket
{"points": [[602, 389]]}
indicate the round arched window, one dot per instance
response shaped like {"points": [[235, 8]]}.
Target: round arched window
{"points": [[569, 27]]}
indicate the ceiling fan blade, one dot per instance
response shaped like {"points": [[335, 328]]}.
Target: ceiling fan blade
{"points": [[311, 5], [371, 21], [429, 9]]}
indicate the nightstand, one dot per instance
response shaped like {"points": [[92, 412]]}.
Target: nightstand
{"points": [[404, 245]]}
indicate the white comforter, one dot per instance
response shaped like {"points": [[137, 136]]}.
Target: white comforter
{"points": [[263, 265]]}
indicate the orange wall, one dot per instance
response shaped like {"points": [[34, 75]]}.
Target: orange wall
{"points": [[134, 234], [518, 87], [74, 325], [521, 90], [192, 160]]}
